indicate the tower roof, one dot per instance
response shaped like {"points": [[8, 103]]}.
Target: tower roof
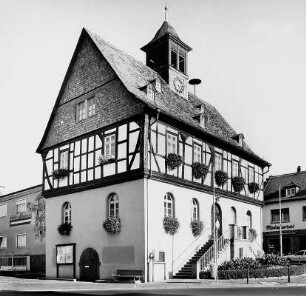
{"points": [[166, 30]]}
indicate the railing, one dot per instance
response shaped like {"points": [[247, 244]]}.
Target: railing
{"points": [[21, 216], [190, 250]]}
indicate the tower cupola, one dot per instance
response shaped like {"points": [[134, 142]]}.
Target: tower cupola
{"points": [[167, 54]]}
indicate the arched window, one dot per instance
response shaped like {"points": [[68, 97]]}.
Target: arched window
{"points": [[169, 205], [233, 216], [195, 210], [113, 206], [249, 219], [66, 212]]}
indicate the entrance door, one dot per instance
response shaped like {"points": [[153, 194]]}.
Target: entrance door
{"points": [[89, 265], [217, 221]]}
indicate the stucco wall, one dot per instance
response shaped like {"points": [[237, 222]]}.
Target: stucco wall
{"points": [[89, 210]]}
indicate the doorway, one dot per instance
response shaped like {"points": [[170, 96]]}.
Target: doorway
{"points": [[89, 265]]}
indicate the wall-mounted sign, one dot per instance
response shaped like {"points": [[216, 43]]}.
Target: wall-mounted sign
{"points": [[64, 254], [276, 227]]}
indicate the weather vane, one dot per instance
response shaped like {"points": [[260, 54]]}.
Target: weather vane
{"points": [[166, 12]]}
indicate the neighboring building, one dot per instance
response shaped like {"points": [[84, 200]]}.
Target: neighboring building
{"points": [[291, 188], [104, 153], [22, 230]]}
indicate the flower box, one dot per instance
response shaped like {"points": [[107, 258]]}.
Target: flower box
{"points": [[60, 173], [238, 183], [64, 228], [105, 159], [220, 178], [199, 170], [196, 227], [171, 225], [253, 187], [173, 161], [112, 225]]}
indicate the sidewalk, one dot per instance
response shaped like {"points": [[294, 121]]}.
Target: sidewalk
{"points": [[18, 284]]}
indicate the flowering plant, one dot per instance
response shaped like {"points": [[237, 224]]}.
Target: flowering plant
{"points": [[196, 227], [173, 161], [105, 159], [238, 183], [171, 225], [220, 178], [199, 170], [253, 187], [253, 233], [112, 225], [64, 228], [60, 173]]}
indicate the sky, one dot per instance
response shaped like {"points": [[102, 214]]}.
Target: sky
{"points": [[249, 54]]}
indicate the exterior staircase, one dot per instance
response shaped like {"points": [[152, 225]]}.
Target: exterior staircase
{"points": [[186, 271]]}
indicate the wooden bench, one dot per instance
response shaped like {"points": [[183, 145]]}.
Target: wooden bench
{"points": [[133, 274]]}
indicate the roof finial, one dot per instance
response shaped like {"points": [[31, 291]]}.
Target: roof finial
{"points": [[166, 12]]}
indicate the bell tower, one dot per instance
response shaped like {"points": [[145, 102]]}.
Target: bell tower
{"points": [[167, 54]]}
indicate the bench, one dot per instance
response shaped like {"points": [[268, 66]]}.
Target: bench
{"points": [[133, 274]]}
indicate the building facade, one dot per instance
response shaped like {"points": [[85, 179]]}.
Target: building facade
{"points": [[22, 231], [129, 154], [285, 194]]}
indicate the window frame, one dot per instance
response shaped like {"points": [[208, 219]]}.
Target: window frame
{"points": [[113, 205], [25, 240], [66, 212], [173, 136], [88, 108], [195, 210], [64, 160], [4, 205], [23, 202], [169, 205], [3, 247], [197, 152], [303, 213], [111, 143], [290, 191], [234, 161], [276, 211], [217, 161]]}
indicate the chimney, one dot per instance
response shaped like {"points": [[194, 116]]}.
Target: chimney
{"points": [[298, 169]]}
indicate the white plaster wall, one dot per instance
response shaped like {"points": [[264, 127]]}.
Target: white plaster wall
{"points": [[88, 213], [295, 212], [184, 242]]}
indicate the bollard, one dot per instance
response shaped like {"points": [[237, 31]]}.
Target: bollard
{"points": [[288, 272]]}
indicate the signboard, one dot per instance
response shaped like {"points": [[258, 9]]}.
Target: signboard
{"points": [[64, 254], [276, 227]]}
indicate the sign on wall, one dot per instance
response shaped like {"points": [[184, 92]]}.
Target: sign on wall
{"points": [[64, 254], [276, 227]]}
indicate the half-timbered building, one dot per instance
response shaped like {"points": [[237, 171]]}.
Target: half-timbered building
{"points": [[129, 155]]}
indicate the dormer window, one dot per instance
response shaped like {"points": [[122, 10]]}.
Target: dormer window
{"points": [[157, 85], [150, 92], [290, 192]]}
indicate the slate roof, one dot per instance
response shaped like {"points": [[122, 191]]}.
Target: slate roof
{"points": [[135, 75], [297, 179]]}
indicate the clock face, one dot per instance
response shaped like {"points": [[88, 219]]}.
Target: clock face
{"points": [[178, 85]]}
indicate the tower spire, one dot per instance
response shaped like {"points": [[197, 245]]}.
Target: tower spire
{"points": [[166, 12]]}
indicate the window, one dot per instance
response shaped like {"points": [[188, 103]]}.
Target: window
{"points": [[3, 242], [304, 213], [195, 210], [109, 146], [168, 205], [174, 55], [233, 216], [275, 215], [290, 192], [178, 58], [21, 205], [235, 165], [182, 59], [64, 159], [218, 164], [161, 257], [67, 213], [86, 109], [251, 175], [3, 210], [21, 240], [113, 206], [171, 143], [197, 153], [249, 219], [150, 93]]}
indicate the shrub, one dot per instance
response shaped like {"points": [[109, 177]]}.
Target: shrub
{"points": [[173, 161], [205, 275], [196, 227], [220, 178], [171, 225], [238, 183], [112, 225], [64, 228], [60, 173], [271, 259], [253, 187], [199, 170]]}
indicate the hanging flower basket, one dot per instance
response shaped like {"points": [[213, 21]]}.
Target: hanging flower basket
{"points": [[105, 159], [171, 225], [253, 187], [173, 161], [112, 225], [199, 170], [60, 173], [238, 183], [184, 136], [220, 178], [196, 227], [253, 233], [64, 228]]}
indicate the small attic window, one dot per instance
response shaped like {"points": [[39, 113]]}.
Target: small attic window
{"points": [[290, 192], [157, 85], [239, 138], [150, 92]]}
